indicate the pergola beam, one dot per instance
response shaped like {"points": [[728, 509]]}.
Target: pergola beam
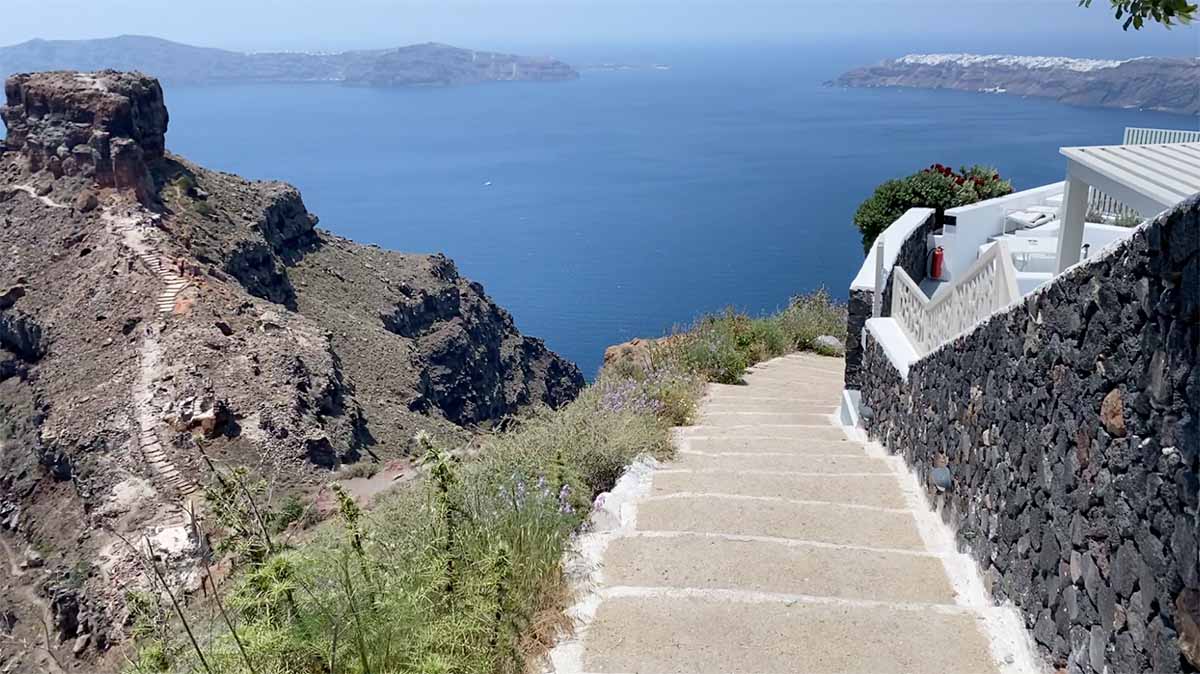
{"points": [[1148, 179]]}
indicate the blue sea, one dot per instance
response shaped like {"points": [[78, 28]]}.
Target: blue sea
{"points": [[627, 202]]}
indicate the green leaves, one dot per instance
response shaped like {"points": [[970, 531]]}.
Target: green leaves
{"points": [[1136, 12]]}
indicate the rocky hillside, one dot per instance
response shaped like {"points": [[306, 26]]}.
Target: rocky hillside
{"points": [[155, 315], [1164, 84], [427, 64]]}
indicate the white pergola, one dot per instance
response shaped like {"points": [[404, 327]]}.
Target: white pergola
{"points": [[1147, 178]]}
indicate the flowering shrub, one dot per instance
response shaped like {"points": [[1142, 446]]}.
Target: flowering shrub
{"points": [[938, 187]]}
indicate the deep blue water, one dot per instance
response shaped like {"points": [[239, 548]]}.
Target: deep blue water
{"points": [[626, 202]]}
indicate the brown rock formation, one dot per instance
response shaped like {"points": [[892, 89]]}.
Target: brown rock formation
{"points": [[106, 125], [636, 353]]}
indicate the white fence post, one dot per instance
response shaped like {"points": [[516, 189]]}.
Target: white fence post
{"points": [[877, 297]]}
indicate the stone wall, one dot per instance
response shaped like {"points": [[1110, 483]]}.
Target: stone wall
{"points": [[1069, 423], [913, 258]]}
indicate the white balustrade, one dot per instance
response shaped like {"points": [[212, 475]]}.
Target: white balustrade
{"points": [[990, 284], [1140, 136]]}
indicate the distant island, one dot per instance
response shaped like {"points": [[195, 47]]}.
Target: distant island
{"points": [[625, 66], [1148, 83], [429, 64]]}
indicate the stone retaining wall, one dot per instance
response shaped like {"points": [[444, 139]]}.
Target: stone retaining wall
{"points": [[1069, 423], [913, 258]]}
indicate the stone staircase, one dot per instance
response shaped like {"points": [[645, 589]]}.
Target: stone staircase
{"points": [[173, 283], [775, 543], [134, 226]]}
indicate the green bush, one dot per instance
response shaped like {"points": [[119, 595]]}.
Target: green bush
{"points": [[1128, 220], [719, 347], [936, 187]]}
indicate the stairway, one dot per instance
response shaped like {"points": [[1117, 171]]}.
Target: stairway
{"points": [[173, 283], [134, 226], [773, 543], [161, 466]]}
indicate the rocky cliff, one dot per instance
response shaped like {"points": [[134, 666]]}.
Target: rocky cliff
{"points": [[155, 316], [428, 64], [1164, 84]]}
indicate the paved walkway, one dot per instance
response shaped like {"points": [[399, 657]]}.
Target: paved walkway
{"points": [[773, 543]]}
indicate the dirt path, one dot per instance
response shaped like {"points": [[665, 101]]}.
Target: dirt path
{"points": [[33, 193], [776, 544], [33, 599]]}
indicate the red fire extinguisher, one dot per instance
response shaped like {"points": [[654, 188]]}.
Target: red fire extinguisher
{"points": [[937, 259]]}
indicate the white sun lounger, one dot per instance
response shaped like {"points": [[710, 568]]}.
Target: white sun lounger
{"points": [[1033, 216]]}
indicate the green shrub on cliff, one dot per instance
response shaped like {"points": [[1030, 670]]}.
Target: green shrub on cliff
{"points": [[721, 346], [936, 187]]}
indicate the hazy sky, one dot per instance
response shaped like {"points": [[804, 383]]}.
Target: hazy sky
{"points": [[324, 24]]}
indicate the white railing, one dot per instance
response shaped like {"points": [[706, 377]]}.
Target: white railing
{"points": [[1139, 136], [990, 284], [1104, 207]]}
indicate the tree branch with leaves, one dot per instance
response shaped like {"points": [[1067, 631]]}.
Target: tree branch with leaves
{"points": [[1136, 12]]}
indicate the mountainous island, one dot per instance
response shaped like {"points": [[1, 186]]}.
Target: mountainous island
{"points": [[427, 64], [156, 315], [1150, 83]]}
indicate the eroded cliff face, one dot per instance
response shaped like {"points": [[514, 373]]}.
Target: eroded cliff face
{"points": [[155, 316]]}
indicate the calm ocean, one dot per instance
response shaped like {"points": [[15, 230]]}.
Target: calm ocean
{"points": [[626, 202]]}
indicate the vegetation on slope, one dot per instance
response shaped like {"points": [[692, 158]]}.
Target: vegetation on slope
{"points": [[462, 572]]}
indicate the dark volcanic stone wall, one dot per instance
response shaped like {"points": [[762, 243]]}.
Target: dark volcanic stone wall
{"points": [[1070, 425], [913, 259], [858, 310]]}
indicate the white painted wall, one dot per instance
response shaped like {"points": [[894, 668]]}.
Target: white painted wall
{"points": [[893, 238], [976, 224], [979, 222]]}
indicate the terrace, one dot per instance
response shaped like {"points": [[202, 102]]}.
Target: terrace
{"points": [[997, 251]]}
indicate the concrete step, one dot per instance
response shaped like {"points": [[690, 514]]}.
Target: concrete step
{"points": [[832, 366], [882, 491], [780, 461], [781, 518], [795, 369], [751, 381], [794, 432], [722, 562], [768, 405], [711, 418], [710, 634], [772, 445], [784, 388]]}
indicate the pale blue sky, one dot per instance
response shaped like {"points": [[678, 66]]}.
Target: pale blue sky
{"points": [[513, 24]]}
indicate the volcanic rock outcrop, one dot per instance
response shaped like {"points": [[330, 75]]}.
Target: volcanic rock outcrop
{"points": [[106, 125], [156, 317]]}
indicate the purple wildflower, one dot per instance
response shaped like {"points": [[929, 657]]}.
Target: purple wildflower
{"points": [[564, 500]]}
